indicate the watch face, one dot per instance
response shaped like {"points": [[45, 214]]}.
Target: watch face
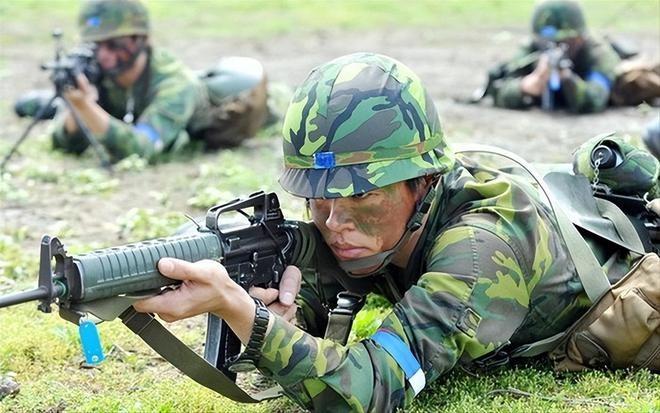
{"points": [[242, 366]]}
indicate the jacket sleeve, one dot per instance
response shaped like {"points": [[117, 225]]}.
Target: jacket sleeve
{"points": [[468, 303], [506, 90], [159, 127], [591, 92]]}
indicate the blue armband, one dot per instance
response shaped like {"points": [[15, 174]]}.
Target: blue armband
{"points": [[150, 132], [600, 79], [400, 352]]}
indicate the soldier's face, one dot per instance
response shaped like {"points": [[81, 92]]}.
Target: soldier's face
{"points": [[364, 225], [574, 45], [115, 52]]}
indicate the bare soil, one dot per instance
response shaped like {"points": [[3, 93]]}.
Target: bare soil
{"points": [[451, 63]]}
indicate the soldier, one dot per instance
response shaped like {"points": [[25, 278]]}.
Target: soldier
{"points": [[471, 259], [563, 66], [147, 102]]}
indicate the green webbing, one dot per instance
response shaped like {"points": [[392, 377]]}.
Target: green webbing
{"points": [[190, 363], [622, 225]]}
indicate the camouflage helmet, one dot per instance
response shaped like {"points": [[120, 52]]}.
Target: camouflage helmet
{"points": [[104, 19], [357, 123], [558, 20]]}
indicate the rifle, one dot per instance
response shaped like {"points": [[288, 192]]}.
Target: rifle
{"points": [[63, 71], [557, 60], [105, 283], [557, 57]]}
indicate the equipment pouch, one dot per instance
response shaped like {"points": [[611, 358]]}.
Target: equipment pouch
{"points": [[622, 329], [623, 168], [237, 89], [637, 81]]}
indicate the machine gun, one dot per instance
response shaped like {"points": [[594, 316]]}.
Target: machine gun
{"points": [[104, 284], [64, 69]]}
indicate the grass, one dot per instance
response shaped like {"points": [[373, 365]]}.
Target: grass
{"points": [[42, 350], [264, 18]]}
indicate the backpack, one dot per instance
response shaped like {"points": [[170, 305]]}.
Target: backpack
{"points": [[622, 327], [637, 81], [237, 89]]}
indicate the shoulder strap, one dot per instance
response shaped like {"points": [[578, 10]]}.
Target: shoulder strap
{"points": [[622, 224]]}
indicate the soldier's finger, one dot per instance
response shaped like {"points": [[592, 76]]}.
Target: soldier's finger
{"points": [[267, 295], [194, 271], [156, 304], [83, 83], [288, 312], [290, 285]]}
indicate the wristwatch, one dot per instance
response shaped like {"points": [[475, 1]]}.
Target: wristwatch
{"points": [[247, 360]]}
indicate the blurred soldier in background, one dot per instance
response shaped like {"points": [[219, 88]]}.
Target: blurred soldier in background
{"points": [[563, 66], [147, 102]]}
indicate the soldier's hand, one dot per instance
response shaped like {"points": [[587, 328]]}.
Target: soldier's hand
{"points": [[206, 287], [535, 83], [83, 94], [566, 73], [281, 301]]}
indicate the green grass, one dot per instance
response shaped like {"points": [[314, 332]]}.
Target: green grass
{"points": [[264, 18]]}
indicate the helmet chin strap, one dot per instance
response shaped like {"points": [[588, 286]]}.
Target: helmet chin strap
{"points": [[383, 258]]}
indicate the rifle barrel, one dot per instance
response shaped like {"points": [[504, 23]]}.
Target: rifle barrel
{"points": [[23, 297]]}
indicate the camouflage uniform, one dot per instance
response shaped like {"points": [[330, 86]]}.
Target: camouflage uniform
{"points": [[168, 104], [489, 270], [588, 90]]}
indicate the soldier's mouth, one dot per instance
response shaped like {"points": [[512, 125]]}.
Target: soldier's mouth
{"points": [[349, 252]]}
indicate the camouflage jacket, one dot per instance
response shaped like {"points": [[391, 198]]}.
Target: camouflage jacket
{"points": [[588, 90], [168, 102], [489, 270]]}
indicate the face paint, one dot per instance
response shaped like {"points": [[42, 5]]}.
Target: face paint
{"points": [[118, 54], [365, 224]]}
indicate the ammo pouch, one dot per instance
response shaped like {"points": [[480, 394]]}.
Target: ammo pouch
{"points": [[622, 329]]}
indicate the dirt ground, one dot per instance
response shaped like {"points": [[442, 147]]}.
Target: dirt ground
{"points": [[451, 63]]}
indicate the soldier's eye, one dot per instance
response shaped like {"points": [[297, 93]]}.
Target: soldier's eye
{"points": [[362, 195]]}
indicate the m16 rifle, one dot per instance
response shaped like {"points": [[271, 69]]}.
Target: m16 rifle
{"points": [[104, 284], [64, 69], [557, 59]]}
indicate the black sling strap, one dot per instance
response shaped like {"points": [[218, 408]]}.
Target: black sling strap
{"points": [[190, 363]]}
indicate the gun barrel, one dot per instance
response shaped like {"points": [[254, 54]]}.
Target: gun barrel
{"points": [[23, 297]]}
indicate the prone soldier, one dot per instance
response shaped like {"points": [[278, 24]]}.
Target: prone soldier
{"points": [[147, 102]]}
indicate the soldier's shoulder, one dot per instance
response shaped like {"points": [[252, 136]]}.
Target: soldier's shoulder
{"points": [[165, 66]]}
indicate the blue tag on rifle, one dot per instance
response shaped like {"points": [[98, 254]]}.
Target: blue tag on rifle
{"points": [[91, 342], [554, 83]]}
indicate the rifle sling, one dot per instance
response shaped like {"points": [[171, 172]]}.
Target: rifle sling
{"points": [[182, 357]]}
